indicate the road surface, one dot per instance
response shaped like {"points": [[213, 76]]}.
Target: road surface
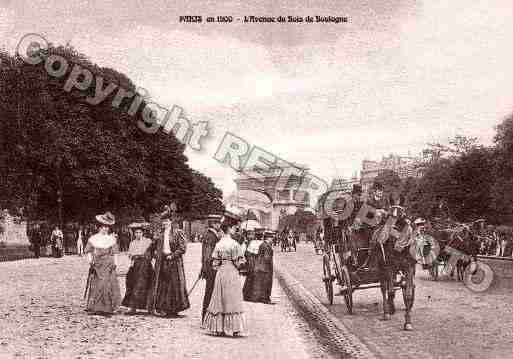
{"points": [[42, 316], [451, 322]]}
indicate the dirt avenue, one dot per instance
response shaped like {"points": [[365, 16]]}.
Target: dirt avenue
{"points": [[451, 321], [42, 316]]}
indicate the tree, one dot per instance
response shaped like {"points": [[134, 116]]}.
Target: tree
{"points": [[390, 180], [456, 146], [205, 198], [458, 188], [502, 188], [96, 156]]}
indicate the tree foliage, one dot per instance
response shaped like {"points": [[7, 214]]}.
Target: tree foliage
{"points": [[390, 180], [457, 183], [502, 187], [95, 156]]}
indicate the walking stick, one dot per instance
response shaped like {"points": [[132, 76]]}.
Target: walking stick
{"points": [[88, 282], [193, 286]]}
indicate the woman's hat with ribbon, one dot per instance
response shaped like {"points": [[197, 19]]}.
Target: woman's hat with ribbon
{"points": [[139, 222], [106, 218]]}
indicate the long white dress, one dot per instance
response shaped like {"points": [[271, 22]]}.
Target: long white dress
{"points": [[225, 313]]}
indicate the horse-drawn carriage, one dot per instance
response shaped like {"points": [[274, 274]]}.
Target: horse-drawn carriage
{"points": [[367, 247], [454, 239]]}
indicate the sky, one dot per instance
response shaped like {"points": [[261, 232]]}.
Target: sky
{"points": [[397, 75]]}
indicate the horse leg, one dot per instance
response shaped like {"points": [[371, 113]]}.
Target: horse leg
{"points": [[384, 283], [391, 292], [409, 297]]}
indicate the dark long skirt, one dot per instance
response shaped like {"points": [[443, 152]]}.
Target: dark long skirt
{"points": [[104, 293], [209, 288], [139, 280], [258, 287], [172, 290]]}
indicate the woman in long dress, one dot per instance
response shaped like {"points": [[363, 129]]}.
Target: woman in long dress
{"points": [[140, 275], [170, 295], [225, 314], [104, 295], [259, 280]]}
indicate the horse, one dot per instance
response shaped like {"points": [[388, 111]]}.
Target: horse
{"points": [[393, 253], [463, 241]]}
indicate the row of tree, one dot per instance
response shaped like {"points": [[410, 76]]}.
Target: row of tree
{"points": [[463, 180], [57, 151]]}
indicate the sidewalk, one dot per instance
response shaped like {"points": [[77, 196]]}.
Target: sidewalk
{"points": [[44, 318]]}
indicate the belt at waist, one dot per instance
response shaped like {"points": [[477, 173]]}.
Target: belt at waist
{"points": [[224, 260]]}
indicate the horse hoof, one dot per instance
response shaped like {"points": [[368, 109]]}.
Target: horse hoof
{"points": [[408, 327]]}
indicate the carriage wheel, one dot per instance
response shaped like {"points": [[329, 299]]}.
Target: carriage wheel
{"points": [[347, 289], [328, 279]]}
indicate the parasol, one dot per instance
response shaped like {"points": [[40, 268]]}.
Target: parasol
{"points": [[310, 210], [250, 225]]}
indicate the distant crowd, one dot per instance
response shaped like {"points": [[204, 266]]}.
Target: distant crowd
{"points": [[51, 240]]}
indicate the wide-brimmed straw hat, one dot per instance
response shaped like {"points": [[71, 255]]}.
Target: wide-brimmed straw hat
{"points": [[106, 218], [139, 222]]}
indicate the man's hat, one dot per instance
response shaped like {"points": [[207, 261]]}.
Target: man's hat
{"points": [[377, 186], [139, 222], [230, 219], [419, 221], [107, 218], [357, 189]]}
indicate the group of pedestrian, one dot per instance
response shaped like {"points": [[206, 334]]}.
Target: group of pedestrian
{"points": [[155, 281], [156, 278], [226, 257]]}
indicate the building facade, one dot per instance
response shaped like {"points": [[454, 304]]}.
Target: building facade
{"points": [[272, 194], [343, 184], [403, 166]]}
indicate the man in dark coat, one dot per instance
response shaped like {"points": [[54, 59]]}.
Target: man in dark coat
{"points": [[210, 238]]}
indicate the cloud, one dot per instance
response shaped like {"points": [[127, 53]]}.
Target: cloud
{"points": [[388, 81]]}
